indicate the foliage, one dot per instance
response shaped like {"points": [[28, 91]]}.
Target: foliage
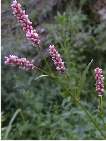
{"points": [[48, 105]]}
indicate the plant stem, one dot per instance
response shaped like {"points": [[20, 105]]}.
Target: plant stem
{"points": [[43, 71], [89, 115], [101, 113], [100, 105]]}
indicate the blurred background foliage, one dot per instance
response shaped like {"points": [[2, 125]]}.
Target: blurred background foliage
{"points": [[36, 107]]}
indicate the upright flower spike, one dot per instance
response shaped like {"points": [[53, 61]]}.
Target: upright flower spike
{"points": [[24, 21], [22, 63], [56, 58], [99, 81]]}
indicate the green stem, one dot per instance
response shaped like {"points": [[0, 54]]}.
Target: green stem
{"points": [[100, 105], [21, 114], [92, 120], [43, 71], [89, 116], [101, 112]]}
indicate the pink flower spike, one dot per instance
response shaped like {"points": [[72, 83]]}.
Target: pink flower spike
{"points": [[56, 58], [25, 22], [22, 63], [99, 81], [14, 2]]}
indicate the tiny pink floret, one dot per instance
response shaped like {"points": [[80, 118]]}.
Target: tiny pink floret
{"points": [[99, 81], [24, 21], [56, 58], [22, 63]]}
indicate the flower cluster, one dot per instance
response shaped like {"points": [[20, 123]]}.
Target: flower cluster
{"points": [[22, 63], [26, 24], [99, 81], [56, 58], [31, 35]]}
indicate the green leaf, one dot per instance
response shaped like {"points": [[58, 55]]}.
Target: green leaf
{"points": [[40, 77], [11, 122], [83, 78]]}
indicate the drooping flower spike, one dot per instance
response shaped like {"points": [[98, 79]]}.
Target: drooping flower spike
{"points": [[99, 81], [56, 59], [24, 21], [22, 63]]}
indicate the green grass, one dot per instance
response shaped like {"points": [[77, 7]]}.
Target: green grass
{"points": [[47, 105]]}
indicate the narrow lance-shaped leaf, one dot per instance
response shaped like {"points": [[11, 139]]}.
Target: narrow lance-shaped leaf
{"points": [[83, 78]]}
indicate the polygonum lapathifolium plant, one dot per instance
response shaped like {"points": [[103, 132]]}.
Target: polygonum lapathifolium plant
{"points": [[25, 22], [99, 81], [31, 35], [26, 64], [56, 58], [22, 63], [99, 86]]}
